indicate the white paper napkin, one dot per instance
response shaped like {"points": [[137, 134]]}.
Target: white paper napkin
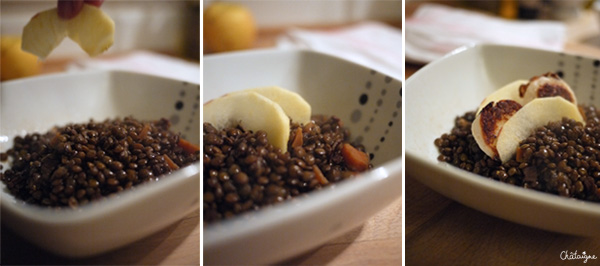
{"points": [[144, 62], [435, 30], [370, 44]]}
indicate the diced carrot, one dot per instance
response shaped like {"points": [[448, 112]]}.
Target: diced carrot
{"points": [[188, 146], [170, 163], [298, 139], [319, 175], [54, 141], [519, 155], [355, 160], [144, 131]]}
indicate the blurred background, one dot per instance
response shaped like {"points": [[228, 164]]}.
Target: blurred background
{"points": [[366, 32], [160, 30], [434, 28]]}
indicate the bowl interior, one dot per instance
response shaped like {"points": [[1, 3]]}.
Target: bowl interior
{"points": [[368, 103]]}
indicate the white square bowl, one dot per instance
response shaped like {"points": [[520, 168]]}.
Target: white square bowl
{"points": [[456, 84], [37, 104], [370, 105]]}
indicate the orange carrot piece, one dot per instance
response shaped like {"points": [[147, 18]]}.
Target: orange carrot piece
{"points": [[144, 131], [355, 160], [170, 163], [54, 140], [298, 139], [188, 146], [319, 175]]}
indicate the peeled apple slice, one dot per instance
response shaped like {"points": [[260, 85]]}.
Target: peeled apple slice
{"points": [[537, 113], [253, 112], [489, 123], [524, 91], [547, 85], [92, 29], [43, 33], [292, 103], [509, 91]]}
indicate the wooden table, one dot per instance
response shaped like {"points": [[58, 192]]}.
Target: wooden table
{"points": [[178, 244], [440, 231]]}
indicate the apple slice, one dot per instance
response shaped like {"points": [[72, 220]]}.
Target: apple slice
{"points": [[92, 29], [524, 91], [515, 126], [292, 103], [546, 85], [43, 33], [488, 124], [253, 112], [509, 91]]}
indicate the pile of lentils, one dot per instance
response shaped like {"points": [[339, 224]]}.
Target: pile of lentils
{"points": [[243, 172], [79, 163], [561, 158]]}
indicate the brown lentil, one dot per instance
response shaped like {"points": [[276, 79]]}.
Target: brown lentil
{"points": [[79, 163], [561, 158], [243, 172]]}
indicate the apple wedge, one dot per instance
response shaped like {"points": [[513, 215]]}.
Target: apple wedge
{"points": [[253, 112], [92, 29], [292, 103]]}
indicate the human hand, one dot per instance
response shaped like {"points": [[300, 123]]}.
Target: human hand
{"points": [[68, 9]]}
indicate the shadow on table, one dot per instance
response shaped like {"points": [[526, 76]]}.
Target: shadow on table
{"points": [[327, 252], [150, 250]]}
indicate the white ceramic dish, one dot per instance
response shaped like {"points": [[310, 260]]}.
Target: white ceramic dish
{"points": [[38, 104], [457, 83], [332, 86]]}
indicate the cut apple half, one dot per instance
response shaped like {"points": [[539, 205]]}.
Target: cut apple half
{"points": [[292, 103], [252, 111], [92, 29]]}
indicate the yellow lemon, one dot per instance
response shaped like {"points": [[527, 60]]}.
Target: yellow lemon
{"points": [[228, 27], [14, 62]]}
